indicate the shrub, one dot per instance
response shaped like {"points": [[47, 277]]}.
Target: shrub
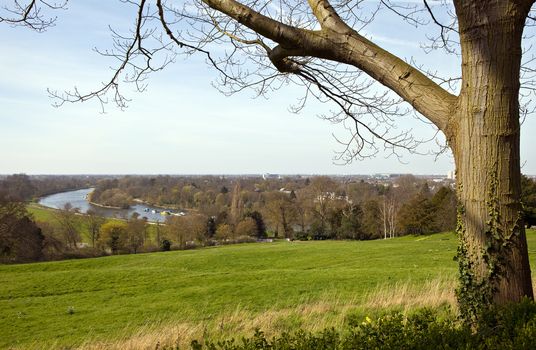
{"points": [[508, 327], [165, 246]]}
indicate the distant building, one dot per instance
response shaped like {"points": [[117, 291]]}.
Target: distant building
{"points": [[268, 176], [381, 176], [451, 175]]}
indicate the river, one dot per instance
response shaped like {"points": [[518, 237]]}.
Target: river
{"points": [[78, 199]]}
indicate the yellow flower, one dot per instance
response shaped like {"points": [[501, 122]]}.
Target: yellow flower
{"points": [[368, 319]]}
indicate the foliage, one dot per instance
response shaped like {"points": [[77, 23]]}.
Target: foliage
{"points": [[444, 203], [509, 327], [528, 198], [18, 186], [246, 227], [426, 213], [351, 226], [211, 227], [293, 206], [224, 232], [136, 234], [20, 238], [165, 246], [112, 198], [93, 225], [183, 229], [416, 216], [371, 219], [67, 225], [113, 235], [260, 231], [25, 187]]}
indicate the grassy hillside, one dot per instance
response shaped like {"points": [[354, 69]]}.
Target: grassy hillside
{"points": [[219, 291]]}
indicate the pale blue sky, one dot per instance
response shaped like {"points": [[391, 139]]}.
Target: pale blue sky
{"points": [[181, 124]]}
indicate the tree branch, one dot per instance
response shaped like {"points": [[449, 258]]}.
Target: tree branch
{"points": [[340, 43], [326, 15]]}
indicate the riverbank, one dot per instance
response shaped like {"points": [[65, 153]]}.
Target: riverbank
{"points": [[106, 206], [168, 207], [90, 201], [82, 199]]}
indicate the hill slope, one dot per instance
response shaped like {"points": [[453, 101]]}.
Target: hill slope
{"points": [[68, 303]]}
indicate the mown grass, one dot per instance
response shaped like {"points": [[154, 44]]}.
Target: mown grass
{"points": [[218, 292]]}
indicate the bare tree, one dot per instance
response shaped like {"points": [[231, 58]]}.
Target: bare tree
{"points": [[320, 45], [68, 225], [279, 210], [93, 223], [388, 210]]}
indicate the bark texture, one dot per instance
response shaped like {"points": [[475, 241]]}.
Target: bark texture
{"points": [[485, 143]]}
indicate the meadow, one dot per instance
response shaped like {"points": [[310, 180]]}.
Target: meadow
{"points": [[171, 297]]}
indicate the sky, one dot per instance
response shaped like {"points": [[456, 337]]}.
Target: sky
{"points": [[181, 124]]}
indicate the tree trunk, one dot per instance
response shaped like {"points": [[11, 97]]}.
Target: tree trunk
{"points": [[493, 255]]}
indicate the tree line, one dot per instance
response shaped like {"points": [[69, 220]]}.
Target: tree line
{"points": [[295, 207], [230, 210]]}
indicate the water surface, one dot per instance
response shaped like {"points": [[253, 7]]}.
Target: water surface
{"points": [[78, 199]]}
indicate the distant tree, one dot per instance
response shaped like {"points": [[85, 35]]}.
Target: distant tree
{"points": [[351, 226], [322, 191], [221, 201], [158, 229], [18, 186], [334, 220], [68, 225], [292, 195], [388, 210], [237, 205], [53, 246], [417, 216], [408, 187], [222, 218], [371, 222], [280, 213], [246, 227], [211, 227], [136, 233], [21, 239], [177, 230], [260, 231], [113, 235], [445, 205], [528, 198], [197, 224], [106, 193], [361, 191], [182, 229], [303, 204], [93, 223], [224, 232], [165, 246]]}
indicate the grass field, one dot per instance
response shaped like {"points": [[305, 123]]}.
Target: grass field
{"points": [[138, 300]]}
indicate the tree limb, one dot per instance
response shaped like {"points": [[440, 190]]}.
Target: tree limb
{"points": [[341, 43]]}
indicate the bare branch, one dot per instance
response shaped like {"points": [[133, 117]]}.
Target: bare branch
{"points": [[31, 15]]}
